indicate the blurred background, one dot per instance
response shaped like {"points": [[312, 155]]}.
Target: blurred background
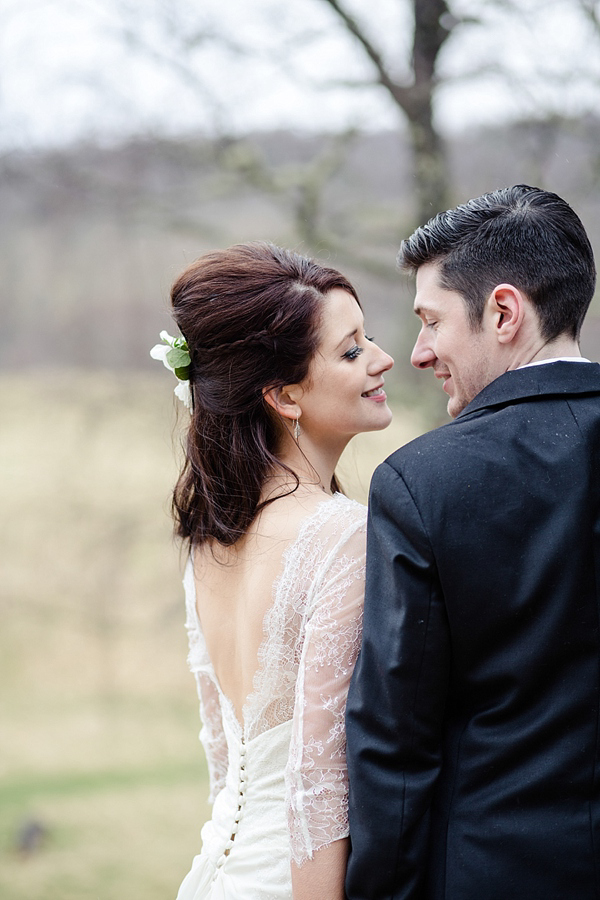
{"points": [[133, 137]]}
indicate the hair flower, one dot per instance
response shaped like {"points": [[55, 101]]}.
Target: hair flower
{"points": [[175, 356]]}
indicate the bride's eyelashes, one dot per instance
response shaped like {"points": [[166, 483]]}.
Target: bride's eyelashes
{"points": [[356, 350], [353, 352]]}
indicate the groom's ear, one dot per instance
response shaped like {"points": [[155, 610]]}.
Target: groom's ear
{"points": [[506, 305]]}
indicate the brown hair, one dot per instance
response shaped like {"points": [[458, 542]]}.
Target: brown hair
{"points": [[250, 315]]}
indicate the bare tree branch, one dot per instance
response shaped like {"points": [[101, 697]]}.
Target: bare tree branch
{"points": [[591, 10], [399, 93], [433, 25]]}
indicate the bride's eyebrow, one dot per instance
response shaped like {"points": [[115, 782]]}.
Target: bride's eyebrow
{"points": [[346, 336]]}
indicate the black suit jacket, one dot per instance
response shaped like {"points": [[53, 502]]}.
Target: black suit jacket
{"points": [[473, 714]]}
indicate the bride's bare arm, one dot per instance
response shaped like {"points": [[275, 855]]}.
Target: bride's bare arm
{"points": [[323, 875]]}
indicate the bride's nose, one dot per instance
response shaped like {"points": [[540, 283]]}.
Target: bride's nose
{"points": [[381, 361]]}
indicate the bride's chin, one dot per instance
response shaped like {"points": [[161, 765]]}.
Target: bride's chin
{"points": [[386, 420]]}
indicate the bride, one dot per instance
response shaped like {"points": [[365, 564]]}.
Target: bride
{"points": [[281, 376]]}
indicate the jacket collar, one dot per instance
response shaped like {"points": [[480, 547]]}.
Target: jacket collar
{"points": [[557, 378]]}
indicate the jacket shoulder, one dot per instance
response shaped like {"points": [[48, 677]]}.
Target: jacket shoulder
{"points": [[444, 439]]}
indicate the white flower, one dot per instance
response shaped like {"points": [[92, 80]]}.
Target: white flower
{"points": [[159, 351], [184, 393]]}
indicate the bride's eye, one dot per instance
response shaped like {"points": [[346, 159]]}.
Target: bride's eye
{"points": [[367, 338], [353, 352]]}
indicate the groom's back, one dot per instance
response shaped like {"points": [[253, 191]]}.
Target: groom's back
{"points": [[509, 496], [481, 655]]}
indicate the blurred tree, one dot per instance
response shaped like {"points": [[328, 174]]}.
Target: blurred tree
{"points": [[433, 25], [405, 57], [300, 185], [591, 9], [398, 45], [183, 37], [176, 35]]}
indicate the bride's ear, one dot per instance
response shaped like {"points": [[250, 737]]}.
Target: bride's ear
{"points": [[283, 401]]}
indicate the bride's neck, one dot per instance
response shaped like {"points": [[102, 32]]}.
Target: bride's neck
{"points": [[313, 465]]}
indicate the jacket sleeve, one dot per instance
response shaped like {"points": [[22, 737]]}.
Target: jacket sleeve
{"points": [[396, 700]]}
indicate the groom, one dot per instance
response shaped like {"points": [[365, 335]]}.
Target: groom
{"points": [[473, 716]]}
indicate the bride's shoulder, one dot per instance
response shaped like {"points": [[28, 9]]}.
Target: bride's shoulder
{"points": [[348, 510], [340, 522], [352, 506]]}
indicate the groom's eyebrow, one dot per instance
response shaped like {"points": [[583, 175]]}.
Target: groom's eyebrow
{"points": [[422, 310]]}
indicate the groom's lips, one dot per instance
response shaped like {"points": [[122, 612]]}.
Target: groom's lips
{"points": [[443, 376]]}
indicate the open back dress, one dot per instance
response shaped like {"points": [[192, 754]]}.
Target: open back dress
{"points": [[278, 778]]}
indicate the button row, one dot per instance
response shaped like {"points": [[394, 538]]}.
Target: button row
{"points": [[238, 814]]}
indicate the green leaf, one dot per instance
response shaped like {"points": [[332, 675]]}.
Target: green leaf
{"points": [[178, 358], [182, 372]]}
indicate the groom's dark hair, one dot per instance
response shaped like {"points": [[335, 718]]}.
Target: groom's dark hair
{"points": [[521, 235]]}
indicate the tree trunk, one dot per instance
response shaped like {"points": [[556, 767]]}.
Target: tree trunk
{"points": [[430, 166], [433, 26]]}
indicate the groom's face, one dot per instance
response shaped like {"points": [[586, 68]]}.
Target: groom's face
{"points": [[464, 360]]}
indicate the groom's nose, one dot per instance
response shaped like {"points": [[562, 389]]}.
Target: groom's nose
{"points": [[422, 355]]}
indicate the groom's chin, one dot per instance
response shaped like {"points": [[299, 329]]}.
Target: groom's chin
{"points": [[455, 406]]}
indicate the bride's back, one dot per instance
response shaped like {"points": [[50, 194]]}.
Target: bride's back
{"points": [[234, 591]]}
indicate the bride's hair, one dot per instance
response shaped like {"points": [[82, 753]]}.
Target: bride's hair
{"points": [[250, 315]]}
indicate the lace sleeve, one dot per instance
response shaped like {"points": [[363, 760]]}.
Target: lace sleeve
{"points": [[212, 734], [316, 779]]}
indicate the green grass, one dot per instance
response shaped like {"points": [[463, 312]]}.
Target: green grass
{"points": [[98, 711]]}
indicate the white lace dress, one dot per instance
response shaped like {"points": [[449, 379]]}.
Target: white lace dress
{"points": [[278, 779]]}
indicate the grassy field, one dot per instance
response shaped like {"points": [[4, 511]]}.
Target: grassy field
{"points": [[98, 712]]}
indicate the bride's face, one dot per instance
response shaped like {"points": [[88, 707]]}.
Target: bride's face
{"points": [[343, 394]]}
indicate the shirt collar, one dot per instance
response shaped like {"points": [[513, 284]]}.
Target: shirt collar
{"points": [[543, 362]]}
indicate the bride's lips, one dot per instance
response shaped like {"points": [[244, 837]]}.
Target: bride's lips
{"points": [[378, 395]]}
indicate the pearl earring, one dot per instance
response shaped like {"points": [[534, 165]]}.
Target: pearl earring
{"points": [[297, 429]]}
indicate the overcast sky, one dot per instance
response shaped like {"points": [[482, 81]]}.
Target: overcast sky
{"points": [[100, 68]]}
